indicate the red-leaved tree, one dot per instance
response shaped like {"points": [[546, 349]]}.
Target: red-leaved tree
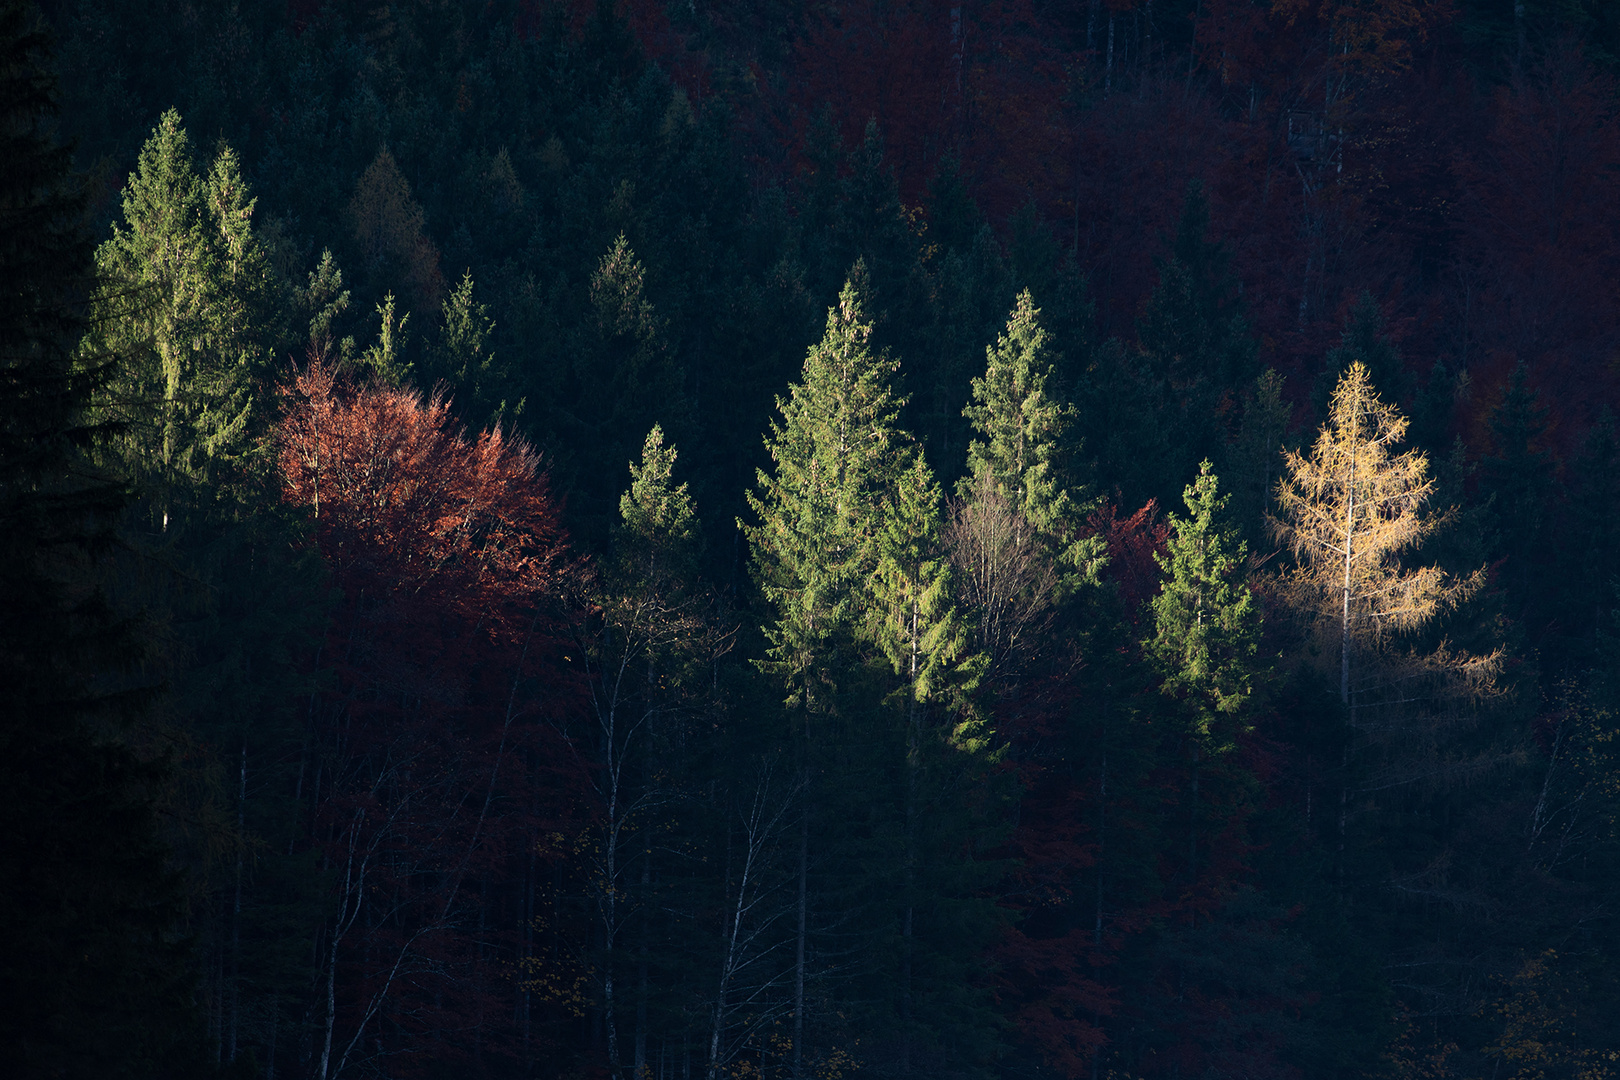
{"points": [[437, 769]]}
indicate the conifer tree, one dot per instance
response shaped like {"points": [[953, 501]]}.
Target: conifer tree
{"points": [[1022, 430], [1254, 457], [657, 536], [1348, 512], [912, 619], [1351, 514], [839, 456], [324, 300], [1206, 632], [1364, 340], [1206, 621], [191, 297], [388, 226], [846, 551], [1519, 477], [1193, 329], [386, 357], [1196, 349], [641, 654], [89, 906], [1015, 528], [464, 358], [1026, 450]]}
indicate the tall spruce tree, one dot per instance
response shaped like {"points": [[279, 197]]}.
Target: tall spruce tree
{"points": [[193, 301], [1196, 349], [236, 597], [1022, 431], [846, 552], [649, 656], [839, 456], [1206, 621], [1206, 633], [1015, 531], [1026, 449]]}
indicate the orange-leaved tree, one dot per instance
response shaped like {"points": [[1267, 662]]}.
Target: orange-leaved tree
{"points": [[436, 770]]}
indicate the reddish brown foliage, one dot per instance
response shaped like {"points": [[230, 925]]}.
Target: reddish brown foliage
{"points": [[1132, 543], [409, 509], [438, 771]]}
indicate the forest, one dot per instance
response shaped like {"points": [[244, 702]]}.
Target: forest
{"points": [[792, 540]]}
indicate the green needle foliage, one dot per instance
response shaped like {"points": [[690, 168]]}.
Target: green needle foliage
{"points": [[1020, 425], [464, 357], [1024, 446], [191, 298], [839, 457], [1206, 621], [657, 539]]}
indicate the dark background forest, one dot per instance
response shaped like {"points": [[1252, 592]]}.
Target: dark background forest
{"points": [[774, 539]]}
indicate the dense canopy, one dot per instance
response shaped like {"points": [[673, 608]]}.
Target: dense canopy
{"points": [[646, 540]]}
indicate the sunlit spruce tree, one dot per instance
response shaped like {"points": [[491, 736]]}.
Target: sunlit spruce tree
{"points": [[862, 635], [1020, 445], [1206, 632], [849, 494], [1015, 531], [191, 297], [1206, 621], [188, 295]]}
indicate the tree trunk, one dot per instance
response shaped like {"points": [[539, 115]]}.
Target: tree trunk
{"points": [[233, 988], [798, 959], [641, 975]]}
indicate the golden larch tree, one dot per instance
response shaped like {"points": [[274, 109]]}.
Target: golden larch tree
{"points": [[1348, 512]]}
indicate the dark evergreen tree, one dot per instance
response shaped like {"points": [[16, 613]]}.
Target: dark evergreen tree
{"points": [[1254, 458], [1196, 345], [1206, 620], [1517, 476], [1363, 340], [100, 980], [464, 359]]}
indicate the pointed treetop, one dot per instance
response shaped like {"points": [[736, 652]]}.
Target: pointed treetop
{"points": [[656, 538], [825, 509], [1347, 513], [386, 358], [913, 620], [618, 294], [1022, 427], [163, 192], [654, 506], [1207, 624]]}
